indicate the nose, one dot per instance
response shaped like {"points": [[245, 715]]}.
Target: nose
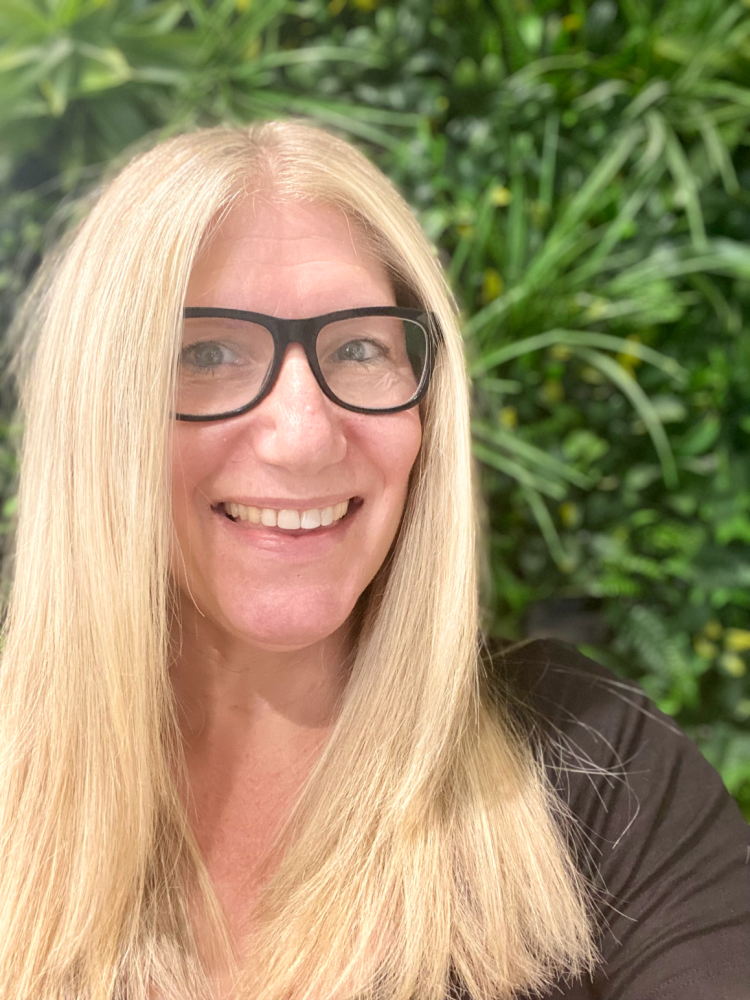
{"points": [[298, 427]]}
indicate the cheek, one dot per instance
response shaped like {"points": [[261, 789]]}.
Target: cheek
{"points": [[391, 444], [197, 455]]}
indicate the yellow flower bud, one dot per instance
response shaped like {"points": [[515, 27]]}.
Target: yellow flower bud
{"points": [[713, 629], [733, 664], [704, 648], [737, 640], [500, 196]]}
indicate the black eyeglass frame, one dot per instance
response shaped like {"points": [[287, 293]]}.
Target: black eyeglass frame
{"points": [[305, 332]]}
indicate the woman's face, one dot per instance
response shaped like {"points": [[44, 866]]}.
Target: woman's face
{"points": [[297, 451]]}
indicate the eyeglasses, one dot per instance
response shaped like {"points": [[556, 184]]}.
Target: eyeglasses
{"points": [[375, 360]]}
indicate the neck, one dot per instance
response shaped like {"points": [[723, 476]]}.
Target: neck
{"points": [[232, 691], [254, 721]]}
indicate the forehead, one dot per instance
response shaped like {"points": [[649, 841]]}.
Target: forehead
{"points": [[289, 259]]}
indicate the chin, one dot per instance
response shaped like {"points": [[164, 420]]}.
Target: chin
{"points": [[290, 622]]}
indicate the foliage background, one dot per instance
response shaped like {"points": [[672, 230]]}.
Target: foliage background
{"points": [[583, 169]]}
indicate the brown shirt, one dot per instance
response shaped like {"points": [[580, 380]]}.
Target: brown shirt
{"points": [[666, 840]]}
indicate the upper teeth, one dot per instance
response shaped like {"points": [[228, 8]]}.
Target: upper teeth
{"points": [[314, 517]]}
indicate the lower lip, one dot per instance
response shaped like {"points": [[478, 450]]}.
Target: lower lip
{"points": [[299, 542]]}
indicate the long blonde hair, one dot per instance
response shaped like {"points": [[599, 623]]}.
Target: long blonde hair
{"points": [[425, 848]]}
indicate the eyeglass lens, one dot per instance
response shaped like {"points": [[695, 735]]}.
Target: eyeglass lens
{"points": [[375, 362]]}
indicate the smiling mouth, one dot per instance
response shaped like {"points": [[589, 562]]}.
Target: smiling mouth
{"points": [[286, 519]]}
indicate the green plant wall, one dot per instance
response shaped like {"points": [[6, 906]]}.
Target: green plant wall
{"points": [[583, 169]]}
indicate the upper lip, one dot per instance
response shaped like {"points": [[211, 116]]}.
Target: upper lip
{"points": [[289, 503]]}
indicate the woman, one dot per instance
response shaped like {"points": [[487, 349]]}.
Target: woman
{"points": [[249, 745]]}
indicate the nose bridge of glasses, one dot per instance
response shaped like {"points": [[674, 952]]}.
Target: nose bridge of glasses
{"points": [[295, 331], [300, 332]]}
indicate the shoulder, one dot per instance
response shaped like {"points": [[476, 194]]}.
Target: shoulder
{"points": [[665, 841]]}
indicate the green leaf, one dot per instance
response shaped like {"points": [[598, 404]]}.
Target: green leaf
{"points": [[687, 186], [576, 338], [10, 506], [643, 406], [517, 471], [102, 69], [549, 160], [517, 55], [352, 118], [702, 437], [584, 446], [547, 527], [319, 53], [530, 453]]}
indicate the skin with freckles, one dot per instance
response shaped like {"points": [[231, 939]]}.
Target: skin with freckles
{"points": [[259, 668]]}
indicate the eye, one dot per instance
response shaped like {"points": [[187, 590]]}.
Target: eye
{"points": [[359, 350], [207, 355]]}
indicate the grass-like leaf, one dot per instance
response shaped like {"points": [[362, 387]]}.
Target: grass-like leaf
{"points": [[577, 338], [531, 454], [642, 405], [521, 473], [546, 525]]}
